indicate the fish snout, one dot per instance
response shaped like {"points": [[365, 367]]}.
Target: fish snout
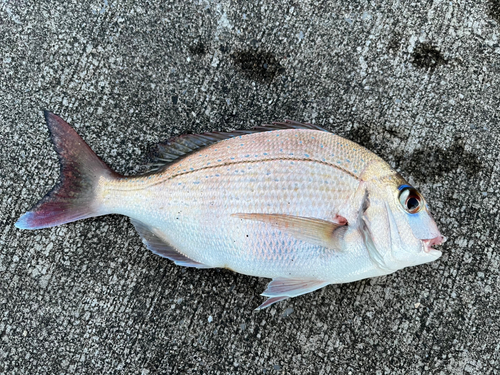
{"points": [[436, 241]]}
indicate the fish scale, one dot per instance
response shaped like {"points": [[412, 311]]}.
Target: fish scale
{"points": [[290, 201], [268, 180], [292, 144]]}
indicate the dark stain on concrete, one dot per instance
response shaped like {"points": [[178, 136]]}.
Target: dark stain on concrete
{"points": [[432, 162], [494, 9], [374, 138], [428, 57], [362, 136], [424, 164], [198, 49], [257, 65], [394, 44]]}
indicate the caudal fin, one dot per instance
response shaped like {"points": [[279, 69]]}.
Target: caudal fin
{"points": [[73, 198]]}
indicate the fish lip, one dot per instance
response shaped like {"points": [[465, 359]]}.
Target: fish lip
{"points": [[436, 241]]}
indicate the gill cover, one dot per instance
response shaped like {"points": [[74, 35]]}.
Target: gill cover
{"points": [[374, 224]]}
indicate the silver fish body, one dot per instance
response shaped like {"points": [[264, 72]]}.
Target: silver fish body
{"points": [[294, 203]]}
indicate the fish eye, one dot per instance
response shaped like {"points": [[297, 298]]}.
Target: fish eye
{"points": [[410, 199]]}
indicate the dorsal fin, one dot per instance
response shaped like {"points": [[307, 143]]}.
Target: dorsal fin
{"points": [[179, 147]]}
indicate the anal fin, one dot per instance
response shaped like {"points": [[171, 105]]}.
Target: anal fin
{"points": [[271, 301], [162, 248], [282, 288]]}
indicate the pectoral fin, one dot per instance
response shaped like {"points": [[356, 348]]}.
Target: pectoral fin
{"points": [[282, 288], [315, 231]]}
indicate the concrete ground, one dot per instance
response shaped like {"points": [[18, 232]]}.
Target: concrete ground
{"points": [[416, 82]]}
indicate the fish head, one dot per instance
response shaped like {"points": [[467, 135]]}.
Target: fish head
{"points": [[397, 227]]}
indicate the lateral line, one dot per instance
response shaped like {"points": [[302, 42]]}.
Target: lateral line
{"points": [[171, 177]]}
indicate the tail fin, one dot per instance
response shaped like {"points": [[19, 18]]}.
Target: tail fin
{"points": [[73, 198]]}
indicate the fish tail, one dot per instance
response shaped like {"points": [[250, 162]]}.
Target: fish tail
{"points": [[74, 197]]}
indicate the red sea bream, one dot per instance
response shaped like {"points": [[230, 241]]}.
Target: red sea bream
{"points": [[290, 201]]}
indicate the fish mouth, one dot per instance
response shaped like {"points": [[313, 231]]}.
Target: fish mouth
{"points": [[436, 241]]}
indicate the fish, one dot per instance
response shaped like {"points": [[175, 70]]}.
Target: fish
{"points": [[289, 201]]}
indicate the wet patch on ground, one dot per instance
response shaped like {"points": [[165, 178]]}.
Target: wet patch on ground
{"points": [[423, 164], [494, 10], [394, 44], [257, 65], [198, 49], [435, 162], [428, 57], [374, 138]]}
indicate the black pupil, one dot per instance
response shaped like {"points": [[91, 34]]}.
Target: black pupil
{"points": [[412, 203]]}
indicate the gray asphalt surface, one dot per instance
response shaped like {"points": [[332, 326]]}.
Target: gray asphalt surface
{"points": [[416, 82]]}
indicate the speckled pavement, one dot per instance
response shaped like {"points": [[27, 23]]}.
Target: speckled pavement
{"points": [[416, 82]]}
